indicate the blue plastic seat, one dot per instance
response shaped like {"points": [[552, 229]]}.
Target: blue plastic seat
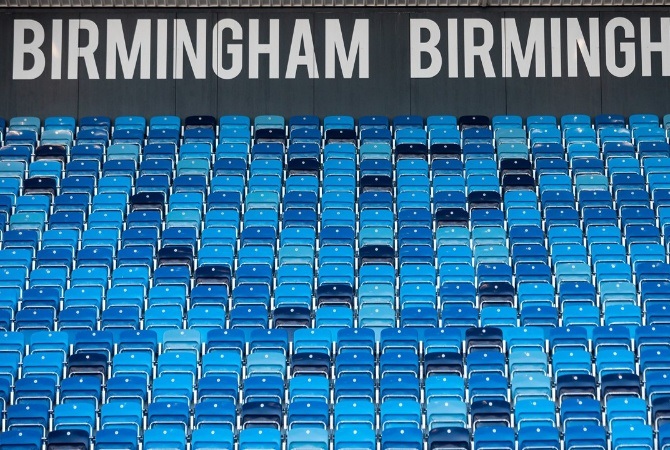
{"points": [[535, 412], [136, 364], [540, 437], [158, 438], [585, 437], [580, 407], [202, 439], [308, 415], [449, 437], [400, 413], [446, 413], [35, 391], [262, 438], [354, 362], [255, 414], [215, 415], [632, 435], [358, 385], [404, 437], [83, 389], [494, 437], [21, 440], [399, 385], [308, 388], [613, 360], [75, 438], [485, 386], [28, 418], [75, 416], [572, 361]]}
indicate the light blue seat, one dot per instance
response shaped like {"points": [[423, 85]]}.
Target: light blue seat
{"points": [[571, 362], [531, 412], [445, 387], [338, 122], [203, 439], [632, 436], [339, 151], [122, 414], [25, 123], [157, 438], [44, 364], [446, 413], [75, 416], [354, 413], [627, 315], [164, 122], [614, 360], [535, 386], [400, 413], [358, 438], [410, 136], [377, 317], [260, 438], [577, 134], [64, 123], [583, 149], [509, 135], [375, 150]]}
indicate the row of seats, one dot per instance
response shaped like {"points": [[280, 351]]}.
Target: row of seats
{"points": [[571, 124], [484, 438], [451, 397]]}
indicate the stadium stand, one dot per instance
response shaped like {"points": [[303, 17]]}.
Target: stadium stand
{"points": [[335, 283]]}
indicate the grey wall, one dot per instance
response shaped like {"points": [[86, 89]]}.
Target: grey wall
{"points": [[389, 89]]}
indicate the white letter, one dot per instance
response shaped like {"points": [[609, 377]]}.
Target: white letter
{"points": [[482, 51], [534, 45], [56, 49], [161, 49], [627, 48], [575, 41], [21, 48], [452, 46], [182, 41], [271, 48], [417, 48], [556, 49], [302, 35], [116, 43], [360, 46], [86, 53], [648, 47], [235, 50]]}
